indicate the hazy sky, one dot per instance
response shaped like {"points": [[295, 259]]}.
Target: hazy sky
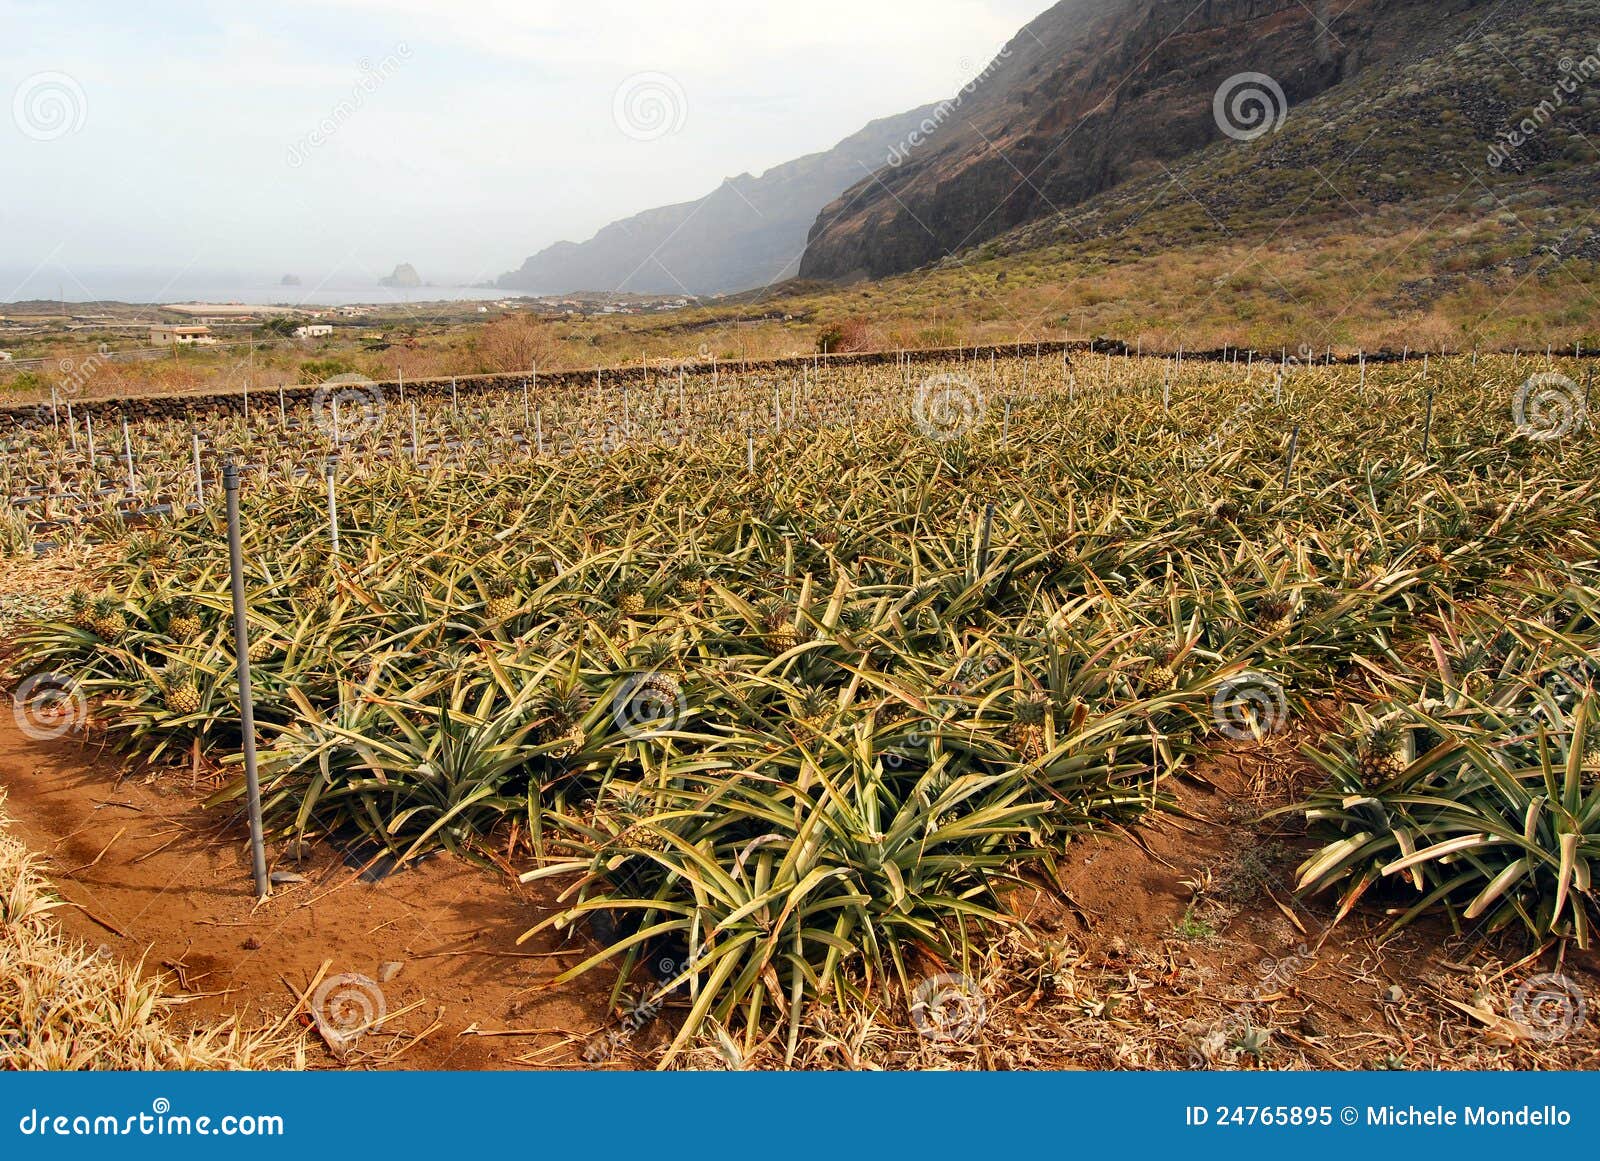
{"points": [[350, 135]]}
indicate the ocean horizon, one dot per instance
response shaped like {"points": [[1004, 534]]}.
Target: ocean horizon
{"points": [[161, 287]]}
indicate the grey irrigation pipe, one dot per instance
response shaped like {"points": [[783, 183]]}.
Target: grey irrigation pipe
{"points": [[247, 711]]}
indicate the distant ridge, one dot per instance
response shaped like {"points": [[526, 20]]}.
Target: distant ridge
{"points": [[747, 234]]}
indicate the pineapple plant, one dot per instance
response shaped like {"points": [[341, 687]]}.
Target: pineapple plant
{"points": [[262, 647], [179, 692]]}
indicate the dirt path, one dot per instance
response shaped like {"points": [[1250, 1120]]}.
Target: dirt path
{"points": [[154, 876], [1176, 939]]}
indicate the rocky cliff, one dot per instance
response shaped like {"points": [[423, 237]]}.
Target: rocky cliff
{"points": [[1094, 93]]}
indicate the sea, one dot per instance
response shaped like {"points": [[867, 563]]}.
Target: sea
{"points": [[157, 287]]}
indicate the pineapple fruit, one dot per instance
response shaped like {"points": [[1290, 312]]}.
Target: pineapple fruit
{"points": [[630, 602], [80, 608], [107, 619], [1162, 673], [179, 692], [777, 627], [504, 600], [562, 728], [183, 621], [1027, 730], [1273, 614], [1380, 756]]}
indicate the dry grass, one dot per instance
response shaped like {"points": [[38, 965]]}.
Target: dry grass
{"points": [[67, 1006]]}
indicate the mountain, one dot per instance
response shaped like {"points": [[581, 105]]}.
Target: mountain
{"points": [[1096, 93], [748, 233]]}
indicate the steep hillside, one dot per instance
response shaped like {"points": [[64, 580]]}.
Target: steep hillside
{"points": [[748, 233], [1097, 92]]}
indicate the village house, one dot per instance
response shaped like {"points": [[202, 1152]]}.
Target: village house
{"points": [[181, 336]]}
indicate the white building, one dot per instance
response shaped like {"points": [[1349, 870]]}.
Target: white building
{"points": [[319, 331], [182, 336]]}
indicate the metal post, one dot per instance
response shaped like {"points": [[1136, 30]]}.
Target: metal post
{"points": [[247, 713], [199, 485], [127, 450], [416, 448], [1294, 450], [333, 505], [1427, 430], [88, 423]]}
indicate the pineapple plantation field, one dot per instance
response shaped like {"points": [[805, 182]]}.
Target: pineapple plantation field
{"points": [[1062, 711]]}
